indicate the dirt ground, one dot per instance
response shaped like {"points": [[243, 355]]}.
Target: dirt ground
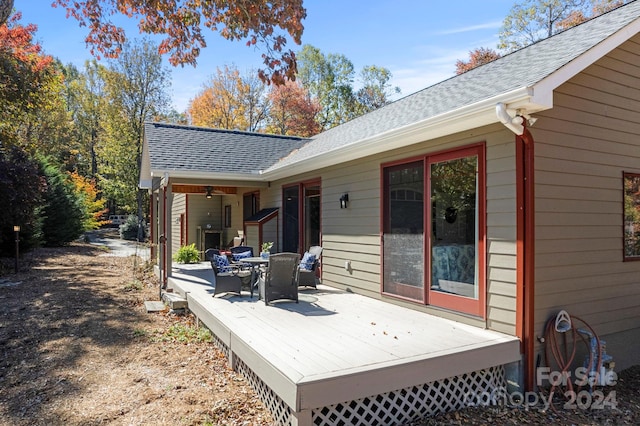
{"points": [[78, 348]]}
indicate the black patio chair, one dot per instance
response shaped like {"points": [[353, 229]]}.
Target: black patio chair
{"points": [[308, 267], [280, 279], [238, 253], [227, 278]]}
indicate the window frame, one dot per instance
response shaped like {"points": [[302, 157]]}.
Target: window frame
{"points": [[625, 257]]}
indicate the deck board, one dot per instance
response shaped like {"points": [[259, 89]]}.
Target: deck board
{"points": [[334, 344]]}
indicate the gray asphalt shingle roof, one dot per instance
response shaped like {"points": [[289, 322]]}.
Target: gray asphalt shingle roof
{"points": [[520, 69], [199, 149], [185, 148]]}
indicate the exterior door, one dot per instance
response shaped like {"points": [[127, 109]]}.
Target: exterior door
{"points": [[433, 229], [301, 220]]}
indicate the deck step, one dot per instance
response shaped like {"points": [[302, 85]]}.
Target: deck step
{"points": [[174, 301], [154, 306]]}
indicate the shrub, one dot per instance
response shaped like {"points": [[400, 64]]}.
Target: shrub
{"points": [[129, 229], [187, 254], [20, 197], [62, 209]]}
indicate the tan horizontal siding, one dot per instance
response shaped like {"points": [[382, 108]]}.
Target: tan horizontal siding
{"points": [[552, 246], [583, 145], [500, 315], [178, 207], [502, 247], [504, 232], [502, 288], [353, 234]]}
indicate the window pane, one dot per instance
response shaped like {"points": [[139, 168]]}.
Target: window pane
{"points": [[454, 226], [404, 231], [311, 216], [290, 221], [631, 216]]}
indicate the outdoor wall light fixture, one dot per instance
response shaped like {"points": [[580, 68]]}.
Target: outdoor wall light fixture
{"points": [[344, 200], [209, 194]]}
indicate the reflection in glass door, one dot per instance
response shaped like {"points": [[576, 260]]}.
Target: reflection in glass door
{"points": [[311, 216], [291, 219], [454, 226], [403, 234]]}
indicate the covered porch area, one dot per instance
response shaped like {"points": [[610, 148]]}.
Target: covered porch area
{"points": [[341, 358]]}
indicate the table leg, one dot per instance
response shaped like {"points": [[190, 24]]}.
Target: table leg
{"points": [[254, 278]]}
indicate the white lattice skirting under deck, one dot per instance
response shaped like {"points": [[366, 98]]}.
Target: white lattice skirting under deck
{"points": [[397, 407]]}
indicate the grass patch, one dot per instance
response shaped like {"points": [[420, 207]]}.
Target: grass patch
{"points": [[135, 285], [185, 334], [138, 332]]}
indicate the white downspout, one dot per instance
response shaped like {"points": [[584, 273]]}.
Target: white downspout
{"points": [[512, 123]]}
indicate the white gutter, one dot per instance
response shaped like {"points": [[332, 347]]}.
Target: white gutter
{"points": [[512, 123]]}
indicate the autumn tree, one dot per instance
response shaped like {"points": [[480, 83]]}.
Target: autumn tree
{"points": [[329, 80], [532, 20], [91, 203], [30, 86], [477, 57], [269, 24], [256, 103], [135, 85], [376, 91], [6, 7], [292, 111], [219, 104], [87, 104], [174, 117], [230, 100], [598, 7]]}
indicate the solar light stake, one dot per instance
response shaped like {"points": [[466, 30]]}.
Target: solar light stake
{"points": [[16, 229]]}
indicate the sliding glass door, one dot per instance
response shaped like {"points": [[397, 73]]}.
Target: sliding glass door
{"points": [[439, 261]]}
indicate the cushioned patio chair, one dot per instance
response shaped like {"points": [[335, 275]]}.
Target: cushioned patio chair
{"points": [[280, 279], [308, 267], [208, 253], [240, 252], [227, 278]]}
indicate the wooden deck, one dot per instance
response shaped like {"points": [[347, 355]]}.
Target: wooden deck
{"points": [[334, 347]]}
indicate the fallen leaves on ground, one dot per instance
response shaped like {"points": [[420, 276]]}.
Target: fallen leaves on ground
{"points": [[79, 348]]}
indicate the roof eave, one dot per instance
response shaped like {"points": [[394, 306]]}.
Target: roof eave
{"points": [[547, 85], [208, 176], [459, 120]]}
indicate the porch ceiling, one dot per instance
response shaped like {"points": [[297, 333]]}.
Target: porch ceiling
{"points": [[202, 189], [335, 346]]}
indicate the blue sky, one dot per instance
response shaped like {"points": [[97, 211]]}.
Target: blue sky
{"points": [[419, 41]]}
